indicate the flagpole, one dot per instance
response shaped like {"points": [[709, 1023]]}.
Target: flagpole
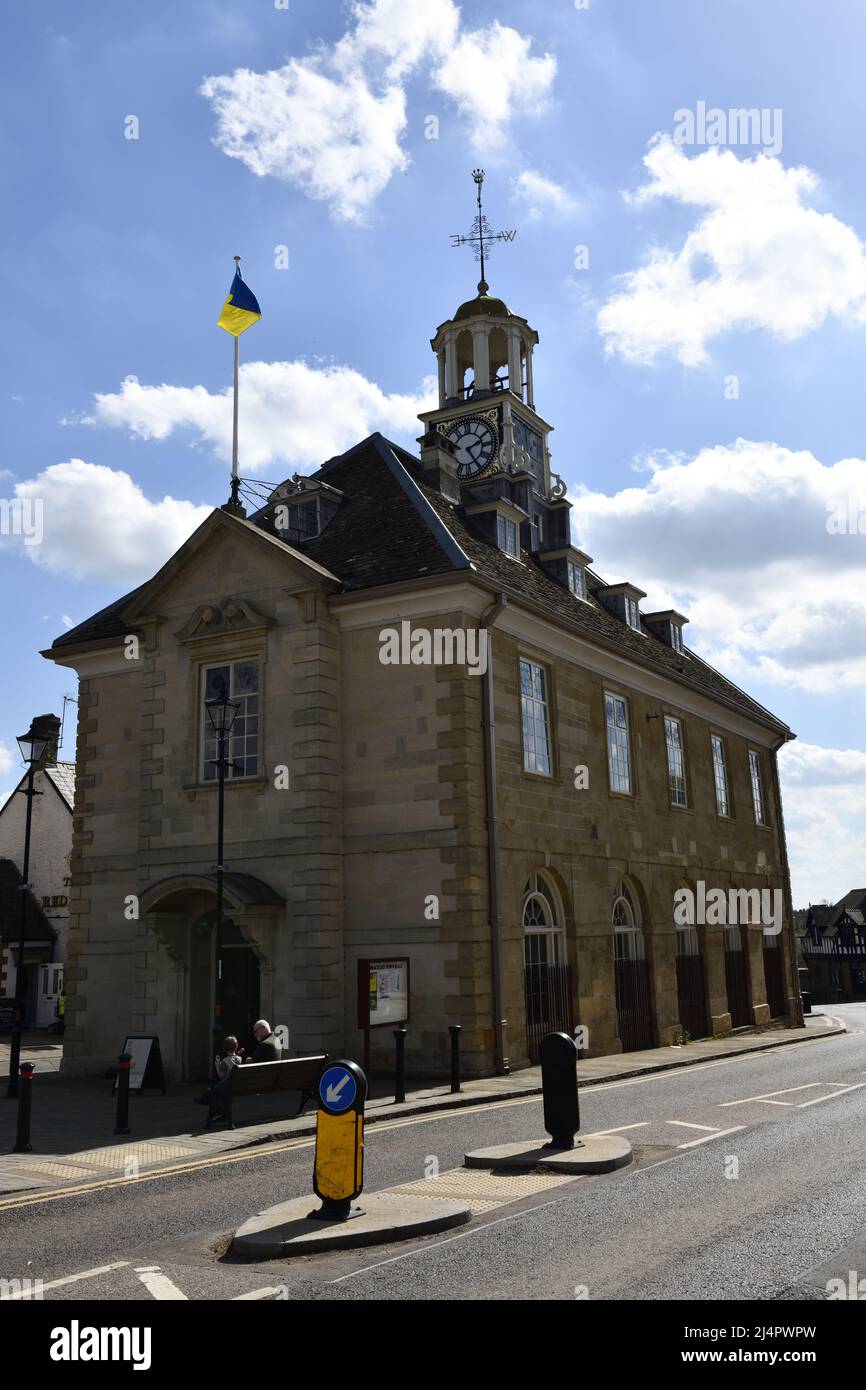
{"points": [[235, 479]]}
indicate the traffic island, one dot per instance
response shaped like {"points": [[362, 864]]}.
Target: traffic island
{"points": [[286, 1230], [598, 1154], [563, 1152]]}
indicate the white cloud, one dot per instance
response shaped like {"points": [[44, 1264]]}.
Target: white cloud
{"points": [[758, 258], [541, 196], [737, 538], [67, 621], [335, 139], [293, 415], [331, 123], [5, 761], [824, 796], [492, 77], [98, 524], [399, 30]]}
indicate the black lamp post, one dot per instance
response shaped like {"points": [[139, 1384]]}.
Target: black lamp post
{"points": [[33, 745], [222, 712]]}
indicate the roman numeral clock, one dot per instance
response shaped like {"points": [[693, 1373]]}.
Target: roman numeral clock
{"points": [[476, 443]]}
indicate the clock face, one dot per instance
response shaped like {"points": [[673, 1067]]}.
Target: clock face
{"points": [[476, 442]]}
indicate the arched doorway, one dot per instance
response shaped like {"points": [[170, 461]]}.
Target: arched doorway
{"points": [[774, 976], [237, 986], [691, 977], [631, 971], [225, 977], [737, 976], [546, 974]]}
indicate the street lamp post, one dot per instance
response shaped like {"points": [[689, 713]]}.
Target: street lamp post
{"points": [[222, 712], [33, 745]]}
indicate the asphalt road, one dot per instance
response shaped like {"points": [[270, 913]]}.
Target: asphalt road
{"points": [[749, 1181]]}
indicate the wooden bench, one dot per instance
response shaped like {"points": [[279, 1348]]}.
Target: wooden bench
{"points": [[261, 1078]]}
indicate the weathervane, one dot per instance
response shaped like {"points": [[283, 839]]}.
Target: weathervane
{"points": [[482, 234]]}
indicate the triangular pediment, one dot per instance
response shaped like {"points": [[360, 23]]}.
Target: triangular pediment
{"points": [[216, 529]]}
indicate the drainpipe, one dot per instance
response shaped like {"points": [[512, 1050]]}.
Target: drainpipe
{"points": [[786, 871], [488, 619]]}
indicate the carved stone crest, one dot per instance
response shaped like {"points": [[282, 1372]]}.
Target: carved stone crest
{"points": [[231, 615]]}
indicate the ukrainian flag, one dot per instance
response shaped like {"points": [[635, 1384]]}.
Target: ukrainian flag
{"points": [[241, 309]]}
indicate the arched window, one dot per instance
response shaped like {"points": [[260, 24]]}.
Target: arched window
{"points": [[625, 914], [631, 970], [542, 923]]}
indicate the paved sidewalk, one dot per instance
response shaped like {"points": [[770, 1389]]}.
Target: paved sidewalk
{"points": [[73, 1120]]}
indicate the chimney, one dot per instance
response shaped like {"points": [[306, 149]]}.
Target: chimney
{"points": [[439, 462], [48, 726]]}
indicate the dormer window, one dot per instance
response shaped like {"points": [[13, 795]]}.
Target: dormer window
{"points": [[497, 518], [301, 521], [623, 600], [567, 565], [506, 535], [667, 627], [576, 579], [302, 508]]}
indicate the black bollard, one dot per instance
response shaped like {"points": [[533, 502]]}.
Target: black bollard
{"points": [[400, 1078], [454, 1030], [25, 1090], [558, 1056], [122, 1125]]}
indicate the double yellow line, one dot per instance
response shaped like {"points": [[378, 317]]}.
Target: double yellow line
{"points": [[56, 1194]]}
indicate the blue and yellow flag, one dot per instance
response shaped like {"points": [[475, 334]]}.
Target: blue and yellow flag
{"points": [[241, 309]]}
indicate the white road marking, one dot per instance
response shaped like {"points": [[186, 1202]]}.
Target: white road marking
{"points": [[159, 1285], [74, 1278], [711, 1129], [598, 1133], [765, 1096], [832, 1094], [259, 1293], [449, 1240], [720, 1134]]}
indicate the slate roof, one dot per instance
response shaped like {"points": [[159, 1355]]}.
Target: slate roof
{"points": [[852, 900], [63, 777], [393, 527], [38, 927]]}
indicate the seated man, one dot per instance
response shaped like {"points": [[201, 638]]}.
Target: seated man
{"points": [[268, 1046]]}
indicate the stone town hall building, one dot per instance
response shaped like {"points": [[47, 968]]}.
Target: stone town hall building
{"points": [[517, 829]]}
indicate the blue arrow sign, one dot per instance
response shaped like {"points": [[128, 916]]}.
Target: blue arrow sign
{"points": [[337, 1090]]}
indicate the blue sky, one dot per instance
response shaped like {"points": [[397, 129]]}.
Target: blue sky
{"points": [[705, 264]]}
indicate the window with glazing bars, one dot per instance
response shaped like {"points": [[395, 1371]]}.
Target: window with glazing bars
{"points": [[576, 580], [534, 718], [618, 749], [506, 533], [757, 787], [239, 680], [720, 776], [676, 761]]}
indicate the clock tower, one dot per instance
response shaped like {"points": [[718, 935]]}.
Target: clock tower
{"points": [[486, 407]]}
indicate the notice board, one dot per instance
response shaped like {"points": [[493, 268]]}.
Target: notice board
{"points": [[383, 991]]}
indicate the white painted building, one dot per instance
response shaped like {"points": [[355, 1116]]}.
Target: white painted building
{"points": [[49, 875]]}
